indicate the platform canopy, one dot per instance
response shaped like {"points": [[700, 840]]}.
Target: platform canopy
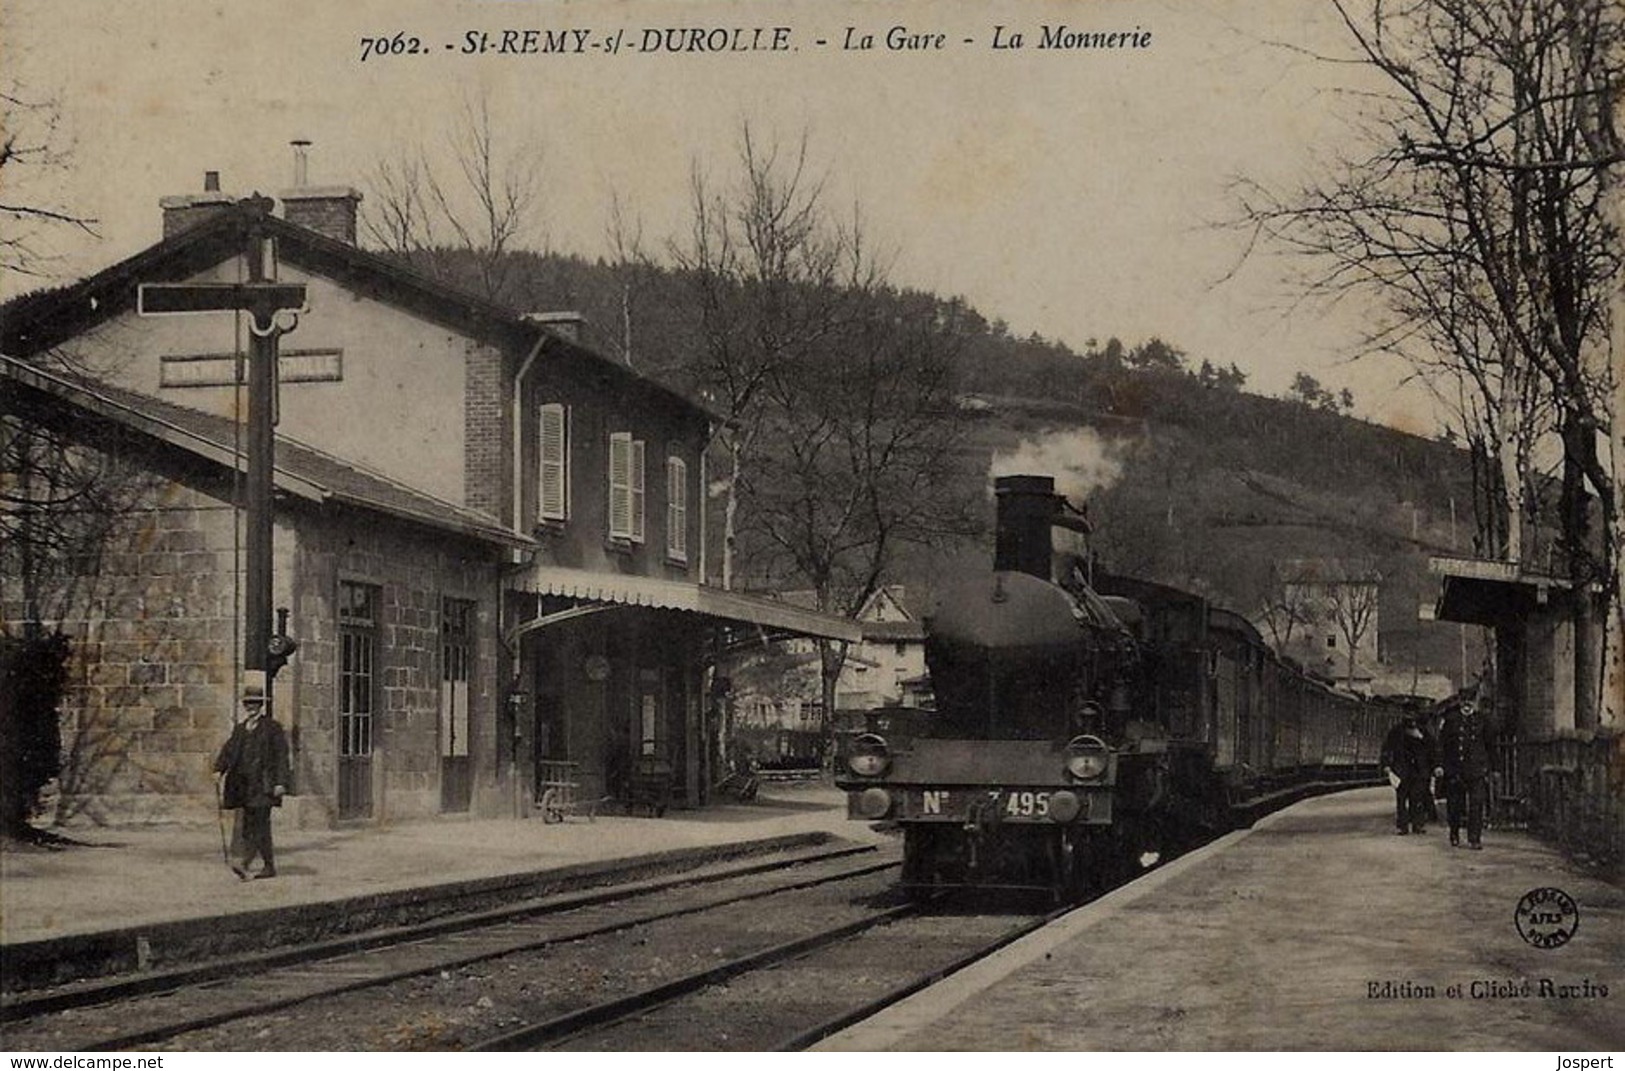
{"points": [[609, 589], [1480, 591]]}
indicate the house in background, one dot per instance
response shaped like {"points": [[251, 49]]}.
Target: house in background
{"points": [[779, 687], [488, 536], [1324, 610], [889, 663]]}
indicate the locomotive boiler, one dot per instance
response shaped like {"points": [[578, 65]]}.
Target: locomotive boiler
{"points": [[1079, 736]]}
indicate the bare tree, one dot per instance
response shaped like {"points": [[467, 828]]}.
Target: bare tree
{"points": [[1474, 211], [69, 499], [838, 389], [1284, 607], [862, 457], [476, 196], [32, 154], [1351, 604], [767, 268]]}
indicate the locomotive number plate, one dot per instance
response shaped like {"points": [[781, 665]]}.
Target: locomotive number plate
{"points": [[1024, 804], [992, 804]]}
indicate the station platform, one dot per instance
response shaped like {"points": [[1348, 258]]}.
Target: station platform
{"points": [[149, 888], [1316, 929]]}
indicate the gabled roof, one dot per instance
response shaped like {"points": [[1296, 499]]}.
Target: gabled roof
{"points": [[885, 600], [39, 321], [301, 470]]}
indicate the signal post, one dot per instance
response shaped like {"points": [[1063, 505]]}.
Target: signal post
{"points": [[268, 304]]}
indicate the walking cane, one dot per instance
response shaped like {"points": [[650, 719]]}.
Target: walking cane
{"points": [[220, 814]]}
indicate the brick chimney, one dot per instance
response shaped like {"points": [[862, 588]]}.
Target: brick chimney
{"points": [[185, 211], [329, 210]]}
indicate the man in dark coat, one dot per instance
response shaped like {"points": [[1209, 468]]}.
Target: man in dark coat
{"points": [[1408, 757], [1466, 742], [254, 763]]}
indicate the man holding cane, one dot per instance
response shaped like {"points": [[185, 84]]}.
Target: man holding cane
{"points": [[254, 765]]}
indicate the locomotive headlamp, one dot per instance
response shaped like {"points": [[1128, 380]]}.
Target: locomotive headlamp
{"points": [[1087, 758], [870, 756], [874, 803]]}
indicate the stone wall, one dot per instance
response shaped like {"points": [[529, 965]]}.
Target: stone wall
{"points": [[152, 676], [412, 572], [156, 643]]}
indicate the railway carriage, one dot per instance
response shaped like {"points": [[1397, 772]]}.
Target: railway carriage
{"points": [[1086, 729]]}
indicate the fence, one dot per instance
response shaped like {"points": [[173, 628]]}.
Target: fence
{"points": [[1569, 790]]}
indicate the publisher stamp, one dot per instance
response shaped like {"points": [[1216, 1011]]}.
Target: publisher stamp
{"points": [[1546, 917]]}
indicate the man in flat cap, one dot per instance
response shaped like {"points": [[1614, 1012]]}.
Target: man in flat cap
{"points": [[254, 764]]}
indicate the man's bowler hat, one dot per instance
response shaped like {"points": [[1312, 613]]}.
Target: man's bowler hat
{"points": [[253, 686]]}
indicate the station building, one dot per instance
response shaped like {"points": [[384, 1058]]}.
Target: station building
{"points": [[490, 539]]}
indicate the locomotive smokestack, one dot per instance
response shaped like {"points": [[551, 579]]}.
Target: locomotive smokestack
{"points": [[1027, 506]]}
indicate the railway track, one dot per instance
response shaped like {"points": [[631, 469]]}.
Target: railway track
{"points": [[154, 1009], [787, 997]]}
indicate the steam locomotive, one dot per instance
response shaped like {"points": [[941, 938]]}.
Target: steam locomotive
{"points": [[1088, 726]]}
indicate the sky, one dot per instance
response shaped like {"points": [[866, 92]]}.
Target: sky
{"points": [[1073, 193]]}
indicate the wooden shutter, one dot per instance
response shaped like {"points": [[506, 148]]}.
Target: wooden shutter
{"points": [[620, 485], [637, 491], [554, 467], [677, 508]]}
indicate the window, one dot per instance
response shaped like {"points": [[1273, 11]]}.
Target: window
{"points": [[625, 487], [1331, 641], [456, 652], [677, 509], [553, 453]]}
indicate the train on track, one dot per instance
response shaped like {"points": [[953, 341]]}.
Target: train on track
{"points": [[1088, 725]]}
